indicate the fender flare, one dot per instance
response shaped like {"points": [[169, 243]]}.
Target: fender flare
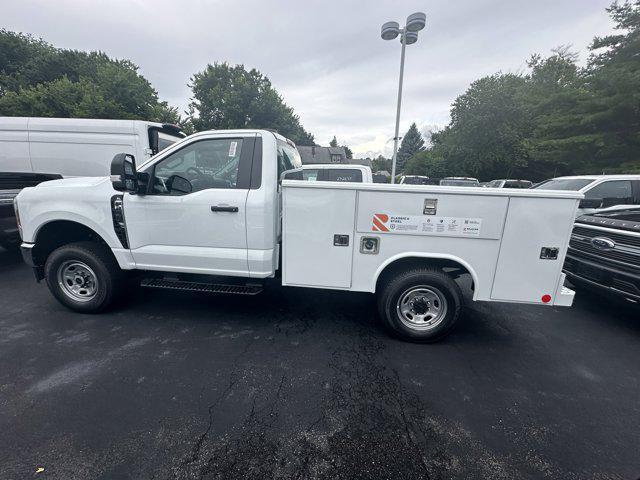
{"points": [[426, 256]]}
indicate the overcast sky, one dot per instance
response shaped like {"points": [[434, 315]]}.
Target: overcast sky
{"points": [[326, 58]]}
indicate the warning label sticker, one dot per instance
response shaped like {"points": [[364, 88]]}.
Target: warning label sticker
{"points": [[421, 225]]}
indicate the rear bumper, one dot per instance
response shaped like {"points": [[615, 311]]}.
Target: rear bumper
{"points": [[564, 296]]}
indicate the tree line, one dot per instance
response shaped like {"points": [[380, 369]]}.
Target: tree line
{"points": [[40, 80], [554, 119]]}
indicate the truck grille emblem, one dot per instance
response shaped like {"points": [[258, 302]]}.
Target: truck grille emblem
{"points": [[603, 243]]}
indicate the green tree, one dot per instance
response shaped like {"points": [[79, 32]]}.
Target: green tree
{"points": [[229, 96], [412, 143], [427, 163], [381, 164], [333, 142], [556, 118], [37, 79]]}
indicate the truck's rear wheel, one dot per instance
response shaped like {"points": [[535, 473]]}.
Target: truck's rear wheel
{"points": [[83, 276], [420, 305]]}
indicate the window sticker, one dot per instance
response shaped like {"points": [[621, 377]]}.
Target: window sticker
{"points": [[232, 149]]}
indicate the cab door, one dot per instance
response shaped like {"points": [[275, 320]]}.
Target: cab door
{"points": [[193, 216]]}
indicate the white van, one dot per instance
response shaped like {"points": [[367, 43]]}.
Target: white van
{"points": [[77, 147], [329, 172]]}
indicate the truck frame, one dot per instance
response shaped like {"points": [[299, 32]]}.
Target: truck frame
{"points": [[221, 211]]}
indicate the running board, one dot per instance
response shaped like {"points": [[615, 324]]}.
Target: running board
{"points": [[200, 287]]}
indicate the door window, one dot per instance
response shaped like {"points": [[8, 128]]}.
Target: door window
{"points": [[614, 192], [212, 163]]}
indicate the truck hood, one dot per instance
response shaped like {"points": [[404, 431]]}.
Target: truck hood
{"points": [[82, 182]]}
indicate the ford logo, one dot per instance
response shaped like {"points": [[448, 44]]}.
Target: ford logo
{"points": [[603, 243]]}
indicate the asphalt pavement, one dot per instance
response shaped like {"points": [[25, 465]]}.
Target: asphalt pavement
{"points": [[306, 384]]}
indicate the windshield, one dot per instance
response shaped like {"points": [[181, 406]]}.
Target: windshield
{"points": [[574, 184], [416, 180], [459, 183]]}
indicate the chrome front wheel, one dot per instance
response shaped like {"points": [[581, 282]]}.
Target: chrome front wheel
{"points": [[77, 280]]}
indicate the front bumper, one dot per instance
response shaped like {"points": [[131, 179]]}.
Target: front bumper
{"points": [[608, 279], [27, 255], [8, 225]]}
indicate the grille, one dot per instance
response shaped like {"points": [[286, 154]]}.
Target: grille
{"points": [[626, 250], [619, 238]]}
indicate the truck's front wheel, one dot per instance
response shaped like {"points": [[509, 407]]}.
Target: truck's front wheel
{"points": [[420, 305], [83, 276]]}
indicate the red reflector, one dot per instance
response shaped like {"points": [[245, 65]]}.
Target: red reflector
{"points": [[546, 298]]}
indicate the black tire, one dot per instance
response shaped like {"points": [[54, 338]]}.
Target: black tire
{"points": [[426, 286], [98, 260]]}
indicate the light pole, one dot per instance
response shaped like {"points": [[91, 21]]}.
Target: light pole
{"points": [[408, 35]]}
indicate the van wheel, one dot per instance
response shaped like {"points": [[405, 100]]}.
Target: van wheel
{"points": [[420, 305], [83, 276]]}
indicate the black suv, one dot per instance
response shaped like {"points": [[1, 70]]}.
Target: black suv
{"points": [[604, 253], [10, 185]]}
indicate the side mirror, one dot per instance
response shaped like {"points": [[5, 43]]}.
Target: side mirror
{"points": [[590, 203], [178, 184], [123, 173]]}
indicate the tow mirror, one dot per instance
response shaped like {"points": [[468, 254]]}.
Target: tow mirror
{"points": [[590, 203], [123, 173]]}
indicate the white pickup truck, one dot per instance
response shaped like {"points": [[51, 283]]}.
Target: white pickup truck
{"points": [[221, 211]]}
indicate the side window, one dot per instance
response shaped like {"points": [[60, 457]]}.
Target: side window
{"points": [[614, 192], [212, 163], [343, 175], [288, 157]]}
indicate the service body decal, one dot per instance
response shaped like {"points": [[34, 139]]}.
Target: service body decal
{"points": [[421, 225]]}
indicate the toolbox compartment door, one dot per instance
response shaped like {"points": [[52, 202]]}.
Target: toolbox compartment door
{"points": [[531, 224], [311, 220]]}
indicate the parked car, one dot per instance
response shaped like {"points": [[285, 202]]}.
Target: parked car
{"points": [[600, 191], [604, 253], [328, 172], [460, 182], [77, 147], [510, 183], [414, 180], [10, 186], [220, 211]]}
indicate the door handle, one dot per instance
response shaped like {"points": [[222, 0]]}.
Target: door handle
{"points": [[224, 208]]}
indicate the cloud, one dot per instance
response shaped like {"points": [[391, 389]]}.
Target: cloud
{"points": [[325, 58]]}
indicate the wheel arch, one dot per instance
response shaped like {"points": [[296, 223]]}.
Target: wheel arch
{"points": [[56, 233], [407, 260]]}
